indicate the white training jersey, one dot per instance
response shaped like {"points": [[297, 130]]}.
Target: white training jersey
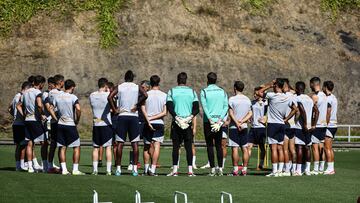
{"points": [[52, 95], [308, 105], [322, 105], [18, 118], [241, 105], [259, 110], [128, 93], [45, 97], [278, 106], [333, 103], [29, 102], [65, 104], [155, 104], [292, 97], [100, 108]]}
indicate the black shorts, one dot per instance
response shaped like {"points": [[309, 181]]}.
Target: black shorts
{"points": [[157, 135], [224, 132], [210, 137], [35, 131], [102, 136], [238, 138], [302, 137], [67, 136], [53, 131], [127, 125], [290, 132], [331, 132], [318, 135], [179, 135], [275, 133], [257, 135], [19, 134]]}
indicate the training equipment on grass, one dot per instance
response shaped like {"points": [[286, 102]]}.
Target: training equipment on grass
{"points": [[226, 194], [96, 198], [180, 193], [138, 198]]}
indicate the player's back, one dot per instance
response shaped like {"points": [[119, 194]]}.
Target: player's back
{"points": [[182, 97], [308, 105], [258, 109], [65, 103], [278, 107], [241, 105], [155, 104], [29, 101], [18, 118], [333, 102], [100, 108], [128, 93], [214, 97], [322, 105], [292, 97]]}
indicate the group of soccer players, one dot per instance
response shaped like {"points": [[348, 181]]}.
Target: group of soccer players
{"points": [[295, 125]]}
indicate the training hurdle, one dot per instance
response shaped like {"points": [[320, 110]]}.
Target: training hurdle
{"points": [[138, 198], [180, 193], [96, 198], [225, 194]]}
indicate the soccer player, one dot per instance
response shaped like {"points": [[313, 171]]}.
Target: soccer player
{"points": [[239, 112], [183, 105], [130, 97], [289, 140], [302, 129], [331, 120], [214, 102], [33, 111], [68, 109], [53, 93], [225, 133], [155, 111], [102, 130], [257, 133], [18, 128], [111, 88], [319, 132], [278, 104]]}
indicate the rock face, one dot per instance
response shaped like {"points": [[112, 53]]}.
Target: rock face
{"points": [[294, 39]]}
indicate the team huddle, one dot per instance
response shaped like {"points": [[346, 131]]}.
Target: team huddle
{"points": [[295, 125]]}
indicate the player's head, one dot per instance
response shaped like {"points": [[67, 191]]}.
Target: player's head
{"points": [[211, 78], [328, 87], [286, 87], [110, 86], [25, 85], [102, 83], [238, 86], [315, 83], [39, 81], [154, 81], [300, 87], [129, 76], [59, 80], [182, 78], [51, 83], [256, 96], [31, 79], [70, 85], [279, 85], [145, 84]]}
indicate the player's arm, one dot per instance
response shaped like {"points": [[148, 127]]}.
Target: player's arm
{"points": [[204, 105], [232, 116], [160, 115], [293, 111], [225, 108], [261, 92], [328, 113], [40, 106], [77, 113], [170, 104], [195, 108], [50, 109], [194, 125], [247, 117], [302, 114], [142, 97], [111, 101], [19, 108], [11, 109], [143, 110], [315, 115]]}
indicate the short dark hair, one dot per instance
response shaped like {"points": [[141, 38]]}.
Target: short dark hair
{"points": [[39, 79], [280, 82], [300, 86], [286, 80], [58, 78], [329, 85], [257, 88], [211, 77], [129, 76], [110, 84], [239, 86], [154, 80], [25, 85], [181, 78], [102, 82], [315, 80], [31, 79], [51, 80], [69, 84]]}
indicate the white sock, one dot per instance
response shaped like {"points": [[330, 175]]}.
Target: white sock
{"points": [[108, 166], [63, 166], [307, 167], [178, 164], [118, 168], [244, 168], [316, 166], [293, 169], [281, 166], [194, 161], [298, 168], [213, 170], [223, 165], [18, 166], [22, 163], [190, 169], [236, 169], [330, 166], [146, 168], [287, 167], [75, 167], [51, 165], [274, 167], [322, 166], [135, 168], [175, 168], [153, 168], [45, 164], [36, 163], [95, 166]]}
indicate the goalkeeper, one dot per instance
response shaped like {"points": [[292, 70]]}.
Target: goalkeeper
{"points": [[183, 104], [214, 101]]}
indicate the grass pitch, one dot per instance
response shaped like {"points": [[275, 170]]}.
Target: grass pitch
{"points": [[23, 187]]}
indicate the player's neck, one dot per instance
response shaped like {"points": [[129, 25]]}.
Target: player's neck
{"points": [[155, 88], [68, 91], [103, 89]]}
